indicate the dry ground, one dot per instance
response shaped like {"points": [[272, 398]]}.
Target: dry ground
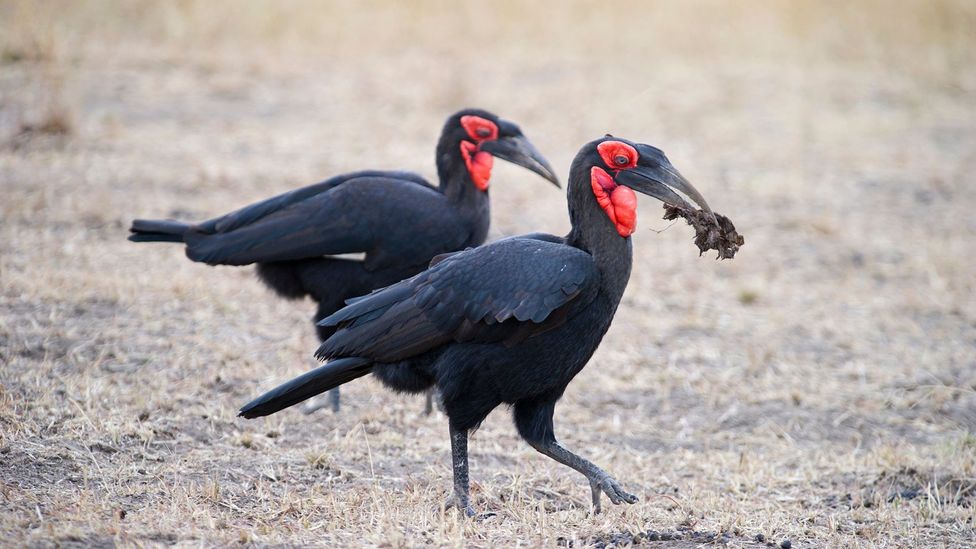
{"points": [[820, 388]]}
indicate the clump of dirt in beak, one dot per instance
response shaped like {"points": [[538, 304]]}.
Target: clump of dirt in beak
{"points": [[711, 232]]}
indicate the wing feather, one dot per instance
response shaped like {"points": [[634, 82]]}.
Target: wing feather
{"points": [[317, 220], [488, 293], [254, 212]]}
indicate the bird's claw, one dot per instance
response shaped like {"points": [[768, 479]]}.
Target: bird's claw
{"points": [[612, 489]]}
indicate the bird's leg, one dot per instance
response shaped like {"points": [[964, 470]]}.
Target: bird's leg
{"points": [[327, 307], [334, 399], [534, 422], [433, 398], [600, 480], [459, 458], [316, 403]]}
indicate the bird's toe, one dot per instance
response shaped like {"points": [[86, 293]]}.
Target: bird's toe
{"points": [[616, 494], [487, 515], [467, 509]]}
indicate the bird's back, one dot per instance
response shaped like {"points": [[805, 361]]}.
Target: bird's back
{"points": [[504, 291], [387, 218]]}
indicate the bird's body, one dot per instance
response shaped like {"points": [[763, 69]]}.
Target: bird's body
{"points": [[478, 365], [396, 219], [410, 222], [510, 322], [330, 281]]}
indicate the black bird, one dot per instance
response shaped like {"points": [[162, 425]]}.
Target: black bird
{"points": [[510, 322], [397, 219]]}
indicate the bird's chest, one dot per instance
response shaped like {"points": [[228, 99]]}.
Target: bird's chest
{"points": [[547, 363], [579, 338]]}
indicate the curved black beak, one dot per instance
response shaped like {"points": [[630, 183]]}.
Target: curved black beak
{"points": [[655, 176], [519, 150]]}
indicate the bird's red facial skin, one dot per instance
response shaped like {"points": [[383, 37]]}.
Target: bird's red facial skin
{"points": [[617, 155], [478, 162], [617, 201], [479, 129]]}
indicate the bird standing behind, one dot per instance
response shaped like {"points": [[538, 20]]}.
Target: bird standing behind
{"points": [[397, 219], [510, 322]]}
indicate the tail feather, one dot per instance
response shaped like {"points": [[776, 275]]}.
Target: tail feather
{"points": [[328, 376], [158, 230]]}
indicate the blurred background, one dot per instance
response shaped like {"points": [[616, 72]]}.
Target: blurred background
{"points": [[821, 387]]}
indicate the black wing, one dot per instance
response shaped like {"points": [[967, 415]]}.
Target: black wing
{"points": [[250, 214], [317, 220], [512, 286]]}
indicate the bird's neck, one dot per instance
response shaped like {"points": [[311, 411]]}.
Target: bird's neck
{"points": [[456, 185], [594, 233]]}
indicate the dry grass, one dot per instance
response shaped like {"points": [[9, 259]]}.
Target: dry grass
{"points": [[821, 388]]}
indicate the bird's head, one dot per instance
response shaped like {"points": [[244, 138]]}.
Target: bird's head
{"points": [[610, 169], [476, 137]]}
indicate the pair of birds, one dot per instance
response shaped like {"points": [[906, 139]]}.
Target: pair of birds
{"points": [[509, 322]]}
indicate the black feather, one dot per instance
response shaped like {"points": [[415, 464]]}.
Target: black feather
{"points": [[480, 295], [157, 230], [325, 377]]}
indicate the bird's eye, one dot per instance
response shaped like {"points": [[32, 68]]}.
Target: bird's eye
{"points": [[618, 155], [479, 129]]}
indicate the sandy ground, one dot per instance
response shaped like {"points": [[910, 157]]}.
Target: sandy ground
{"points": [[820, 388]]}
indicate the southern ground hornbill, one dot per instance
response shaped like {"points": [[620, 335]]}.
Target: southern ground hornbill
{"points": [[510, 322], [397, 219]]}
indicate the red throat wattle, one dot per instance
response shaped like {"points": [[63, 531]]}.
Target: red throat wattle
{"points": [[479, 164], [619, 202]]}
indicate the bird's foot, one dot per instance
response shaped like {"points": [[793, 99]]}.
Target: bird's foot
{"points": [[465, 507], [610, 487], [315, 404]]}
